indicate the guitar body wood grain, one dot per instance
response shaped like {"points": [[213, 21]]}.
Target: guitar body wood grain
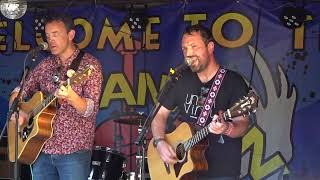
{"points": [[40, 127]]}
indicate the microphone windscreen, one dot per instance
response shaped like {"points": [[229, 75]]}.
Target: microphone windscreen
{"points": [[44, 45]]}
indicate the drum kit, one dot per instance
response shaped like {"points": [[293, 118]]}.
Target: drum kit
{"points": [[109, 163]]}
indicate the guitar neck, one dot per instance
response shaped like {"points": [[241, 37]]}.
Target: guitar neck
{"points": [[76, 78], [196, 138], [46, 102], [201, 134]]}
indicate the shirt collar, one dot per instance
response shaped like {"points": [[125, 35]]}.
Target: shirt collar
{"points": [[70, 59]]}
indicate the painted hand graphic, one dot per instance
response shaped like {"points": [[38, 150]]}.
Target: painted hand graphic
{"points": [[271, 135]]}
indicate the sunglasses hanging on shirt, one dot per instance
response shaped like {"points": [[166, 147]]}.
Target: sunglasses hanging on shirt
{"points": [[203, 94], [72, 69], [56, 76]]}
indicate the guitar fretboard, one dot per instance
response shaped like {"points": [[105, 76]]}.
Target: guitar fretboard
{"points": [[43, 104], [200, 135]]}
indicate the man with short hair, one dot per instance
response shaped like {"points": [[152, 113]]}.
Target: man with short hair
{"points": [[188, 94], [67, 154]]}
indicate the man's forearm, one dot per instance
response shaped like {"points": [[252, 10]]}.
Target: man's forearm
{"points": [[79, 103], [158, 128], [159, 123]]}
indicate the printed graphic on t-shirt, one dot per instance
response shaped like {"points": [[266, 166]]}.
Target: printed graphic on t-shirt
{"points": [[194, 103]]}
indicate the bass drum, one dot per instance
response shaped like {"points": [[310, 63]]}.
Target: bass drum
{"points": [[106, 164]]}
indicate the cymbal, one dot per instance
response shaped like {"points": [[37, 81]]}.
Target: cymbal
{"points": [[131, 119]]}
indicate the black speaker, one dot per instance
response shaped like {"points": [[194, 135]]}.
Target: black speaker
{"points": [[7, 167]]}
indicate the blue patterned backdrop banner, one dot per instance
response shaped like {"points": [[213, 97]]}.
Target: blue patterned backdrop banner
{"points": [[281, 64]]}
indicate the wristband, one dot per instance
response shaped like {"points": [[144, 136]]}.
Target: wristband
{"points": [[156, 141]]}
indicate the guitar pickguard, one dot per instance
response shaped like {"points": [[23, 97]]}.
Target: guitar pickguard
{"points": [[177, 166]]}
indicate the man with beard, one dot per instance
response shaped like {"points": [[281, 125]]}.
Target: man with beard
{"points": [[188, 93]]}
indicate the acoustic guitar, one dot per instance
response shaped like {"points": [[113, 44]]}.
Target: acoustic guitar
{"points": [[190, 145], [41, 111]]}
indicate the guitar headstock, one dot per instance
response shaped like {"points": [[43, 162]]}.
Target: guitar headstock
{"points": [[79, 77], [245, 105]]}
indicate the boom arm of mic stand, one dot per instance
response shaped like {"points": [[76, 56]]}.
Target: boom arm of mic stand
{"points": [[153, 113], [15, 103], [147, 124], [14, 106]]}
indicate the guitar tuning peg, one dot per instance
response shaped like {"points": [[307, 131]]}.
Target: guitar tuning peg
{"points": [[90, 67], [70, 73]]}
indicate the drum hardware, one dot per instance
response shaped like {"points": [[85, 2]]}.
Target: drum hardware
{"points": [[131, 176], [132, 119], [127, 118], [141, 172], [117, 137], [141, 158], [146, 176], [136, 119]]}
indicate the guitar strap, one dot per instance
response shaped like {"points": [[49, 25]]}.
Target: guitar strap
{"points": [[74, 66], [75, 63], [211, 97]]}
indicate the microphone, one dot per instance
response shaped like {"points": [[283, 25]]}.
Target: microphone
{"points": [[40, 47], [183, 66]]}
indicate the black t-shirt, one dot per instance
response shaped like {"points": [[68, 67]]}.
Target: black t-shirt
{"points": [[223, 159]]}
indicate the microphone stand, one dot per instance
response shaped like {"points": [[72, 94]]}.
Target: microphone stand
{"points": [[15, 108], [141, 140]]}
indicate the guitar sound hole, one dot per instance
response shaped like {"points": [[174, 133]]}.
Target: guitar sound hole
{"points": [[24, 134], [180, 151], [30, 122]]}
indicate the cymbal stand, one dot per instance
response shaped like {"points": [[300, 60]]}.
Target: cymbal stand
{"points": [[117, 136], [140, 158]]}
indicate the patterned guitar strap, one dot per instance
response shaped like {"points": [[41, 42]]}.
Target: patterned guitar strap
{"points": [[210, 100]]}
